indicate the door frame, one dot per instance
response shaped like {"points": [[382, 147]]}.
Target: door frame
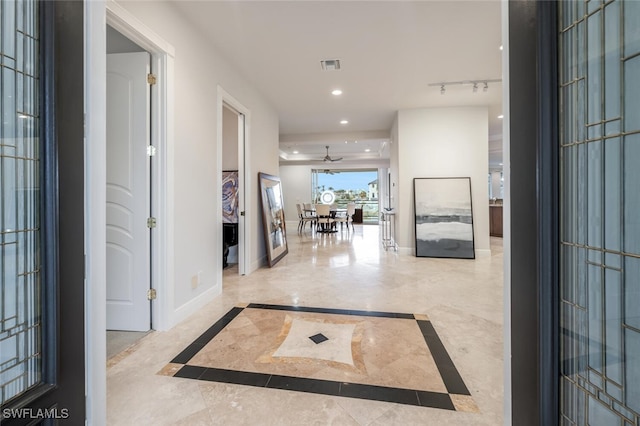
{"points": [[532, 213], [244, 181], [162, 62]]}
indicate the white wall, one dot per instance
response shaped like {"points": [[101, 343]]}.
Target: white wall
{"points": [[198, 71], [394, 165], [117, 43], [261, 156], [442, 142], [296, 188]]}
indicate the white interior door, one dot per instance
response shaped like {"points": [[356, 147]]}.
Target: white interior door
{"points": [[128, 189]]}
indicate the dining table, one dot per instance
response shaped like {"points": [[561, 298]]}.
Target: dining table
{"points": [[333, 213]]}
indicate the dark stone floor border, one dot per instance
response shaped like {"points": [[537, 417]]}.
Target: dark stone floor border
{"points": [[449, 373]]}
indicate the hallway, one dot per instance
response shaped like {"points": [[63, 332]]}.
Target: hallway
{"points": [[461, 298]]}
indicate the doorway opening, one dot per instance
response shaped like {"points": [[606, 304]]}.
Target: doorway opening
{"points": [[232, 137], [129, 188], [230, 188]]}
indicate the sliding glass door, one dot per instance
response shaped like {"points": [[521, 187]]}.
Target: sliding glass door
{"points": [[344, 186]]}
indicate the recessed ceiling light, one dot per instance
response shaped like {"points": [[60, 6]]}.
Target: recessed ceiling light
{"points": [[500, 47], [295, 152], [355, 141], [501, 116], [344, 121], [336, 92], [500, 164], [367, 150], [346, 141]]}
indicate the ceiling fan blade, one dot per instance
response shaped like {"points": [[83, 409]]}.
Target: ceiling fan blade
{"points": [[336, 159]]}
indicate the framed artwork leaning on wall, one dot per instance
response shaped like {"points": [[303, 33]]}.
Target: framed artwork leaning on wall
{"points": [[275, 234], [443, 217]]}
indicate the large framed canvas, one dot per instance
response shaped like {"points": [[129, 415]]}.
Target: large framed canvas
{"points": [[444, 217], [230, 196], [275, 234]]}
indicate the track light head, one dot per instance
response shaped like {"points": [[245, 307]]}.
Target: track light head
{"points": [[474, 83]]}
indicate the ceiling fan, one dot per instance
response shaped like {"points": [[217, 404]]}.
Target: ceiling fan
{"points": [[328, 157]]}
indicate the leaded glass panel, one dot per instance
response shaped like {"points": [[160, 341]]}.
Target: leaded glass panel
{"points": [[20, 271], [632, 193], [612, 60], [631, 28], [599, 204], [632, 94], [612, 194]]}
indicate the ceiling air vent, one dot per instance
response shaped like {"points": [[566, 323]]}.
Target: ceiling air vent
{"points": [[330, 64]]}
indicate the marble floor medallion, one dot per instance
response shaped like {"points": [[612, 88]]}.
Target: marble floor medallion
{"points": [[318, 340], [383, 356]]}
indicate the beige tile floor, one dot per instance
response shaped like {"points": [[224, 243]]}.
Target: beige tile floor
{"points": [[462, 298], [118, 341]]}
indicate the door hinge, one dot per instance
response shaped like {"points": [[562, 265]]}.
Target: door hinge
{"points": [[151, 294], [151, 150], [151, 79], [242, 213], [151, 222]]}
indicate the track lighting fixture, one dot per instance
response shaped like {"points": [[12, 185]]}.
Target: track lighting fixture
{"points": [[473, 83]]}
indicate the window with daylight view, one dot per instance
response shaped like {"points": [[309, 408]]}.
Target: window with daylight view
{"points": [[349, 186]]}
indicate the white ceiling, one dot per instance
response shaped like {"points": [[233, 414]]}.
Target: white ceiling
{"points": [[390, 53]]}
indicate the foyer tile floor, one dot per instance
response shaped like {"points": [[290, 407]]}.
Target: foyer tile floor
{"points": [[260, 328], [382, 356]]}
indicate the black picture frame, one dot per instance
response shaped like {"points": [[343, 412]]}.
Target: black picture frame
{"points": [[275, 233], [443, 217]]}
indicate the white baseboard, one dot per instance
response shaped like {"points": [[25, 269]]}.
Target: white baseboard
{"points": [[193, 305], [483, 252], [257, 264], [291, 224], [405, 251]]}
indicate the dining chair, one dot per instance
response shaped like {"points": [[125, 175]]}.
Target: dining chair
{"points": [[323, 213], [309, 209], [347, 217], [304, 218]]}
